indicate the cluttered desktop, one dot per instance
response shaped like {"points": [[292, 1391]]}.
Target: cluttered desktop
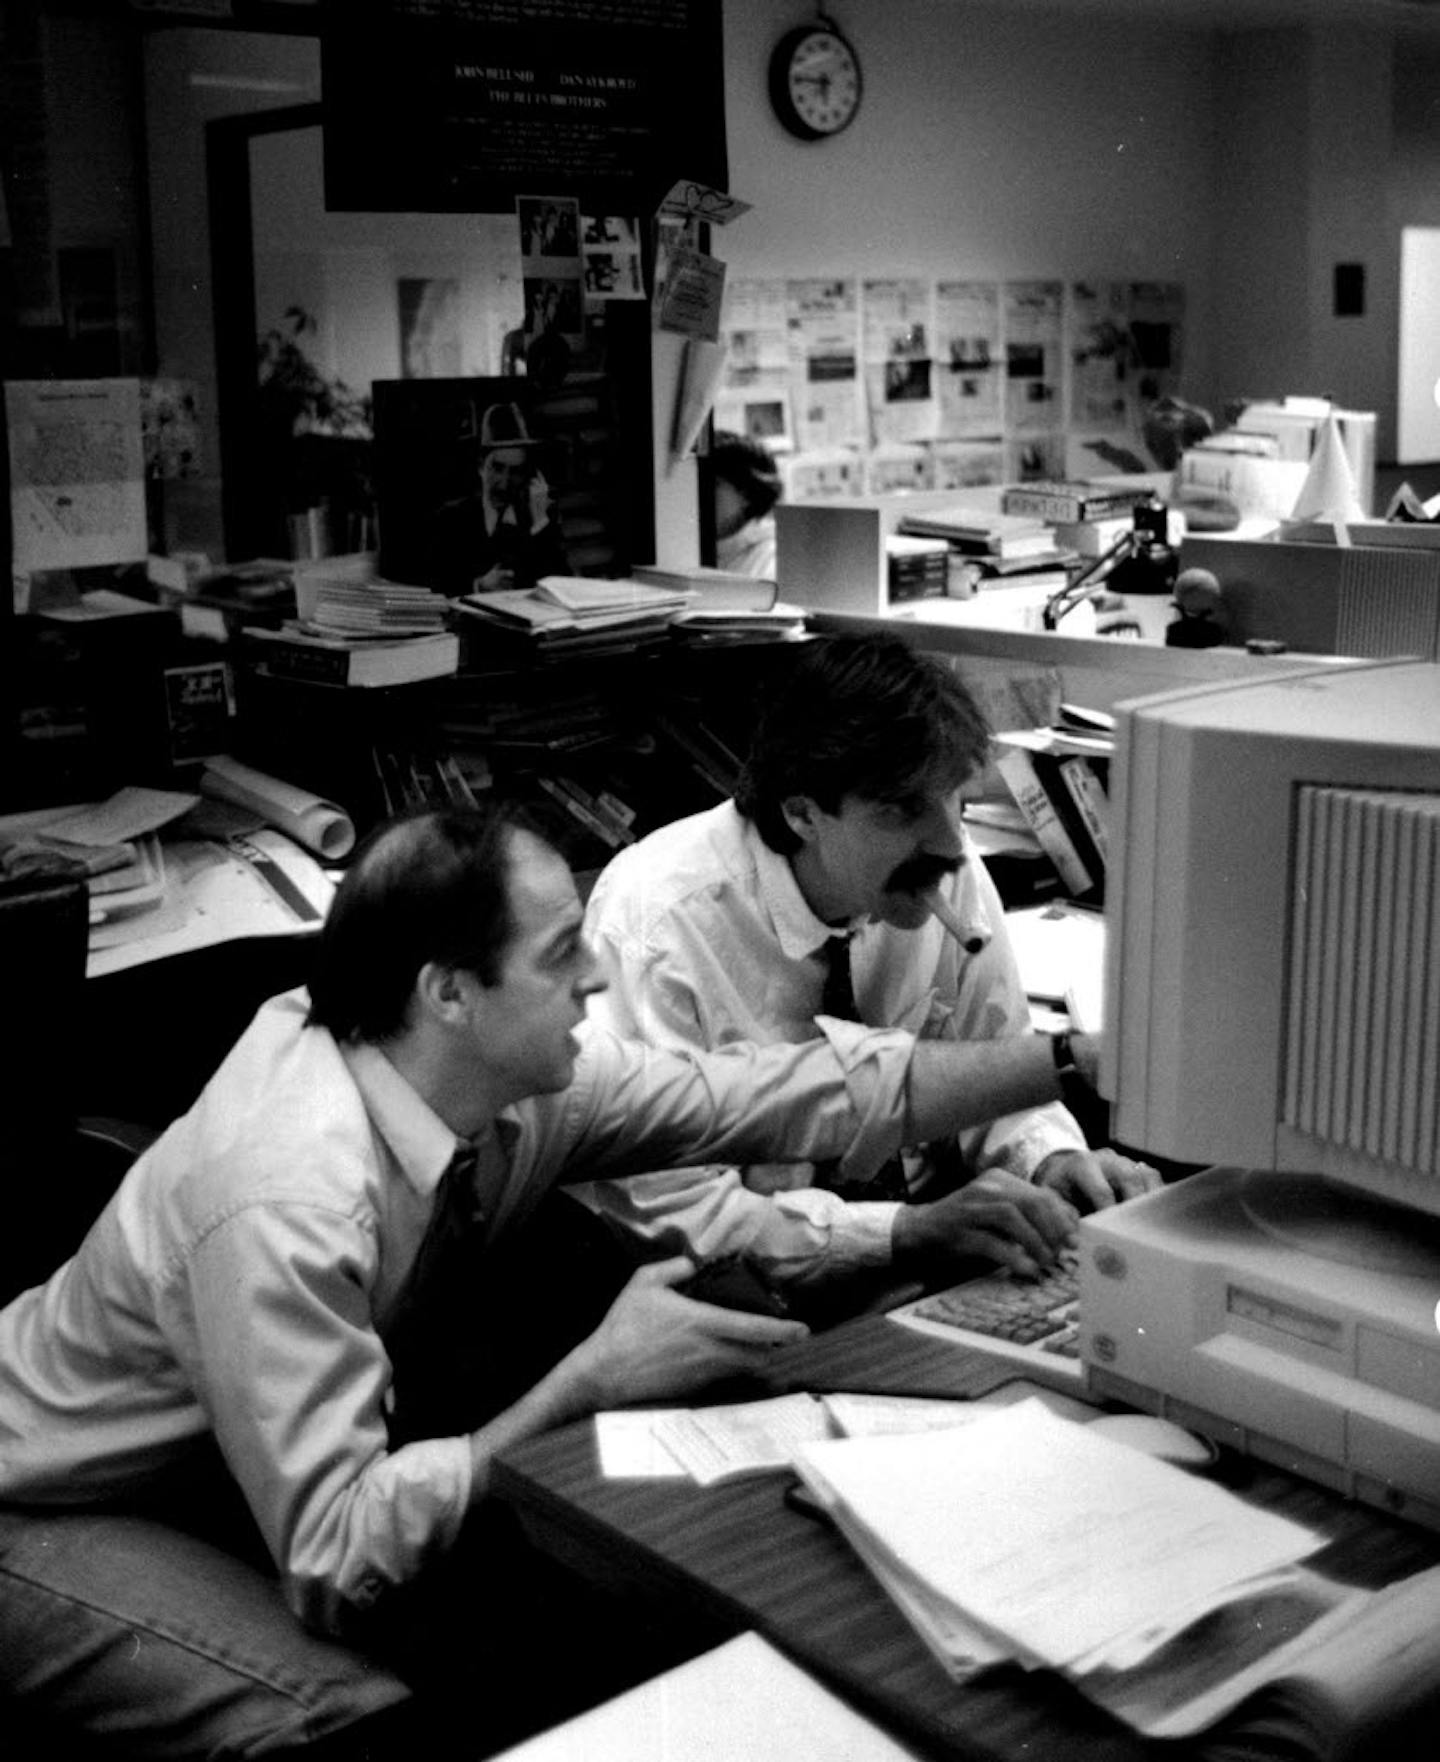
{"points": [[1254, 1360]]}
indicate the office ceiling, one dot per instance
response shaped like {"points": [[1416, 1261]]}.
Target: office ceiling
{"points": [[1418, 14]]}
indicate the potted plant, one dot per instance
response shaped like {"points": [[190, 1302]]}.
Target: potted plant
{"points": [[315, 436]]}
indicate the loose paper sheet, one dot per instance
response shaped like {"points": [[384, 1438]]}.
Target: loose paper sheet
{"points": [[77, 474]]}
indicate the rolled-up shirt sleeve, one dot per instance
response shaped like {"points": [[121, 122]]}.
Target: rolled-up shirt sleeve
{"points": [[632, 1107]]}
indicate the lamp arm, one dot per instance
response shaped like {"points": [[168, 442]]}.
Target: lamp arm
{"points": [[1089, 581]]}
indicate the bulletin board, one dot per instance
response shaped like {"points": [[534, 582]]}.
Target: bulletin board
{"points": [[448, 106]]}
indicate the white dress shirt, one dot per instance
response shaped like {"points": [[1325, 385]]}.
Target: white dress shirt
{"points": [[242, 1279], [706, 939]]}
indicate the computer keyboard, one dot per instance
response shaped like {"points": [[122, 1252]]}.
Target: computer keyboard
{"points": [[1035, 1322]]}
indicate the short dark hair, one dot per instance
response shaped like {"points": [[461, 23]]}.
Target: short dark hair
{"points": [[748, 468], [429, 886], [869, 716]]}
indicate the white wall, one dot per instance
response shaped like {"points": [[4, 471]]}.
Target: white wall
{"points": [[1418, 418], [343, 268], [990, 143]]}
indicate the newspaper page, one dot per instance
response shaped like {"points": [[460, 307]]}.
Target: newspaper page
{"points": [[823, 325], [968, 360]]}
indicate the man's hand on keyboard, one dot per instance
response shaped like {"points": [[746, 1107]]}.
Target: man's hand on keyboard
{"points": [[997, 1216], [1093, 1179]]}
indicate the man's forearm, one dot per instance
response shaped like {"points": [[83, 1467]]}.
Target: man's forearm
{"points": [[957, 1083], [561, 1395]]}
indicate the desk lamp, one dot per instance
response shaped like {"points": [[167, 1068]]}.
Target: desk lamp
{"points": [[1140, 561]]}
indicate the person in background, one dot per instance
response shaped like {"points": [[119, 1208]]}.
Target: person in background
{"points": [[845, 834], [747, 487], [508, 534], [274, 1379]]}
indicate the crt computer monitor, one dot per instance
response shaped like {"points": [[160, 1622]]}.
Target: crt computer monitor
{"points": [[1272, 985]]}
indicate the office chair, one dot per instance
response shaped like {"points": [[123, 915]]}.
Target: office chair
{"points": [[56, 1169]]}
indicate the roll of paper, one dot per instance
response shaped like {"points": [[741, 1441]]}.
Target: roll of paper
{"points": [[309, 819]]}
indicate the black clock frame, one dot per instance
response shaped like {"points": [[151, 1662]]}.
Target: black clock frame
{"points": [[781, 57]]}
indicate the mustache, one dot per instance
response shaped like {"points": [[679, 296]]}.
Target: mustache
{"points": [[918, 873]]}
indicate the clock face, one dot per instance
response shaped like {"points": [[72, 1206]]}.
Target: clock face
{"points": [[815, 82]]}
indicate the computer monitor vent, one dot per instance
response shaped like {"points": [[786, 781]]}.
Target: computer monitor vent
{"points": [[1362, 1067]]}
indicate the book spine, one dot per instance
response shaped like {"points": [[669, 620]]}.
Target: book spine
{"points": [[619, 811], [1091, 538], [455, 783], [1056, 780], [1033, 799], [578, 811], [1061, 505], [392, 788], [620, 832], [287, 660], [720, 772], [1091, 802]]}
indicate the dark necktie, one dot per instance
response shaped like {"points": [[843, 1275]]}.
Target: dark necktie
{"points": [[452, 1220], [428, 1309], [837, 998]]}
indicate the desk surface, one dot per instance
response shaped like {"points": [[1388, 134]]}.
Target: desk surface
{"points": [[736, 1556]]}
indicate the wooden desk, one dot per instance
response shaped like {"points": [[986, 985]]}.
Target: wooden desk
{"points": [[736, 1556]]}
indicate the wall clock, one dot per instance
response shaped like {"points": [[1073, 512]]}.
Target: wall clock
{"points": [[815, 80]]}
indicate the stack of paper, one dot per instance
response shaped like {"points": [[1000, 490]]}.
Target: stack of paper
{"points": [[715, 590], [588, 597], [1029, 1538], [376, 609], [113, 844], [564, 615]]}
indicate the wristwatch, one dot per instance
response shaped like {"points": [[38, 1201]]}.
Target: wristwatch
{"points": [[1063, 1053]]}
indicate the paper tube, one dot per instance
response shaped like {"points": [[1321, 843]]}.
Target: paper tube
{"points": [[317, 824]]}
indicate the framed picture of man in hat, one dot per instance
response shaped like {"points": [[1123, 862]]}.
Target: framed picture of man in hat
{"points": [[467, 486]]}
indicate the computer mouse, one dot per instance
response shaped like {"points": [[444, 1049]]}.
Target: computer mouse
{"points": [[1158, 1437]]}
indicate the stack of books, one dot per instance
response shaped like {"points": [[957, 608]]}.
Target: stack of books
{"points": [[982, 533], [916, 568], [360, 632], [988, 548], [376, 608]]}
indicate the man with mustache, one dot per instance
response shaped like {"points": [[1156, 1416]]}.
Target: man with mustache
{"points": [[844, 836]]}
